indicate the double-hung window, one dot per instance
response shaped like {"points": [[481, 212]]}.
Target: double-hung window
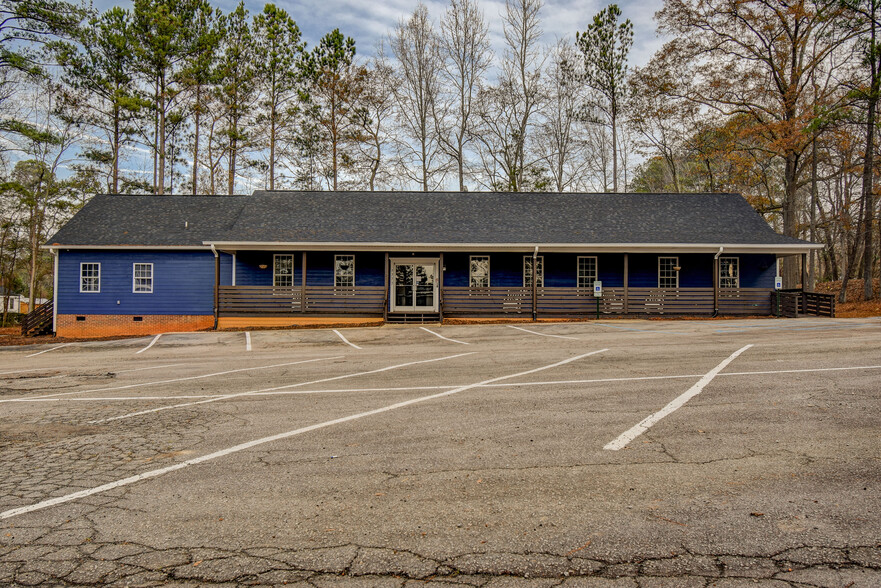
{"points": [[479, 271], [527, 271], [729, 272], [587, 272], [668, 272], [90, 277], [142, 278], [283, 271], [344, 271]]}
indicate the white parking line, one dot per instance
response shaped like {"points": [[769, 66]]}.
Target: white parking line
{"points": [[644, 425], [253, 392], [152, 343], [442, 337], [446, 387], [346, 341], [243, 446], [171, 381], [46, 350], [543, 334], [247, 341]]}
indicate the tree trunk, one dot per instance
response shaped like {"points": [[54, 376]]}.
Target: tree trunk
{"points": [[197, 113], [852, 255], [868, 194], [162, 134], [790, 212], [812, 269], [233, 146], [614, 150], [272, 148], [116, 149]]}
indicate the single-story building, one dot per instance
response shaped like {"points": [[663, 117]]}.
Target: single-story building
{"points": [[17, 303], [148, 264]]}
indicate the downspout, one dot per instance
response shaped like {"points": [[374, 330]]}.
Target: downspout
{"points": [[55, 254], [535, 284], [216, 285], [716, 282]]}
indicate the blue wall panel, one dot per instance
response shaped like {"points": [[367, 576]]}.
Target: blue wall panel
{"points": [[183, 282], [319, 268], [757, 270]]}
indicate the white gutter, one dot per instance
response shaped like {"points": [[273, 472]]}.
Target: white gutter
{"points": [[149, 247], [783, 249], [55, 253]]}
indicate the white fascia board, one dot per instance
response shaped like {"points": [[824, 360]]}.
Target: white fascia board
{"points": [[57, 247], [784, 249]]}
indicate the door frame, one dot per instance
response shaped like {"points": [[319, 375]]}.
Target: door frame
{"points": [[434, 261]]}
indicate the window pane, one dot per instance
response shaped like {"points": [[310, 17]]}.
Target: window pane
{"points": [[729, 275], [527, 271], [143, 277], [668, 277], [587, 272], [344, 271], [90, 277], [283, 271], [479, 271]]}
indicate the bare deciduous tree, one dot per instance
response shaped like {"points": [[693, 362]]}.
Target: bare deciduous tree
{"points": [[467, 56], [414, 44]]}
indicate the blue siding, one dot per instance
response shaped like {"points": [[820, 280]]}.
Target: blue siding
{"points": [[183, 282], [561, 269], [369, 269], [757, 270]]}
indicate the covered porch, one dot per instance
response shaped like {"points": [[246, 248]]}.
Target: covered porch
{"points": [[431, 285]]}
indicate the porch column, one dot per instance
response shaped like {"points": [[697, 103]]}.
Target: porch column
{"points": [[804, 258], [535, 284], [386, 283], [626, 280], [716, 285], [303, 283], [440, 289], [216, 287]]}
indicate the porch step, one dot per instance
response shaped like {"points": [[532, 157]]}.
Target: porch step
{"points": [[411, 318]]}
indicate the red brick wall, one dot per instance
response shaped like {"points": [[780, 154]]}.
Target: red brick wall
{"points": [[114, 325]]}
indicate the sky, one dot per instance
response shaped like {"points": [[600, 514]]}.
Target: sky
{"points": [[370, 21]]}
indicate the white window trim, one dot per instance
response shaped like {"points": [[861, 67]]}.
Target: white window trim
{"points": [[134, 279], [737, 275], [98, 291], [335, 258], [488, 273], [274, 257], [675, 264], [596, 267], [540, 261]]}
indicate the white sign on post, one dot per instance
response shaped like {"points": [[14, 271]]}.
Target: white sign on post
{"points": [[597, 288], [778, 283]]}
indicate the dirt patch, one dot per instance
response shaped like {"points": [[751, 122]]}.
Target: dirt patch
{"points": [[856, 306]]}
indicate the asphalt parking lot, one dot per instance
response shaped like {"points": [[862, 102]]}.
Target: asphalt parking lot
{"points": [[612, 454]]}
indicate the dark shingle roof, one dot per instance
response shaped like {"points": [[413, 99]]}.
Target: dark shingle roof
{"points": [[419, 217]]}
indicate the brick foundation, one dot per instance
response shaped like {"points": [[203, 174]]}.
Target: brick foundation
{"points": [[115, 325]]}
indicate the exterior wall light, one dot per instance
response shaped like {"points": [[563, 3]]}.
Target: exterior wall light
{"points": [[263, 266], [676, 268]]}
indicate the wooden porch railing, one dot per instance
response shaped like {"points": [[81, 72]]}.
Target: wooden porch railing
{"points": [[483, 301], [500, 301], [791, 303], [318, 299]]}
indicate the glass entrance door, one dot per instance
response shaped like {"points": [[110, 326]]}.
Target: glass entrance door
{"points": [[414, 285]]}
